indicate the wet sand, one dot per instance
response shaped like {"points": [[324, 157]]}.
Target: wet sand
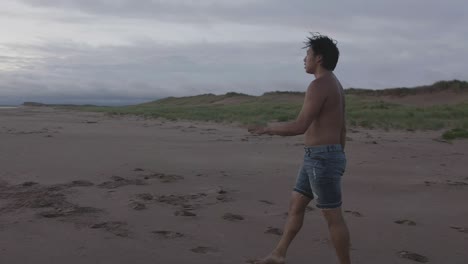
{"points": [[87, 188]]}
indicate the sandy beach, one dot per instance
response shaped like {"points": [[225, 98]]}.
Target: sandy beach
{"points": [[79, 187]]}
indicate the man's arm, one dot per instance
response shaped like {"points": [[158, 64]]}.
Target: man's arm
{"points": [[313, 102]]}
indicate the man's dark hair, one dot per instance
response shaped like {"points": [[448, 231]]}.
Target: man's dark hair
{"points": [[325, 46]]}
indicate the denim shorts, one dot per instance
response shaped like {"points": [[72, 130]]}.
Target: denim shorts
{"points": [[320, 175]]}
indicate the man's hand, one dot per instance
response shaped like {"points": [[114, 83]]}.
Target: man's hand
{"points": [[257, 130]]}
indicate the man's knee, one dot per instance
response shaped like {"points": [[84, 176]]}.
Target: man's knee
{"points": [[298, 203], [333, 216]]}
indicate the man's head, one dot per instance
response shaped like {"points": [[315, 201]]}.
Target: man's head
{"points": [[321, 52]]}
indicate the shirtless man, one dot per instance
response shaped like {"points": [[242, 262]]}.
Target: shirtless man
{"points": [[322, 120]]}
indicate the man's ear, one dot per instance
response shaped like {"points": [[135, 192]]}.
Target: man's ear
{"points": [[319, 59]]}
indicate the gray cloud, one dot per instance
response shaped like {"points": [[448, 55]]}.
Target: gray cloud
{"points": [[382, 43], [297, 12], [151, 71]]}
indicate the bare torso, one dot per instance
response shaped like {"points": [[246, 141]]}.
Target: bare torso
{"points": [[328, 127]]}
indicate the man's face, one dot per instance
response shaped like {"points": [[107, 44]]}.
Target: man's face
{"points": [[311, 61]]}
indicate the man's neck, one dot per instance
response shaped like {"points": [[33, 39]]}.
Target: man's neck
{"points": [[320, 72]]}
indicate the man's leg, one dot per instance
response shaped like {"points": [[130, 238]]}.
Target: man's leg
{"points": [[339, 233], [293, 224]]}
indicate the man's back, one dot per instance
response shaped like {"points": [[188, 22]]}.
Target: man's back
{"points": [[327, 128]]}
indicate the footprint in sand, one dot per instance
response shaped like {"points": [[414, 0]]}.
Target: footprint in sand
{"points": [[42, 200], [184, 213], [204, 250], [191, 207], [115, 227], [413, 256], [266, 202], [68, 212], [119, 182], [137, 206], [233, 217], [164, 178], [223, 140], [29, 183], [456, 183], [354, 213], [429, 183], [187, 203], [180, 200], [145, 196], [138, 169], [77, 183], [222, 191], [168, 234], [223, 196], [274, 231], [405, 222], [31, 195], [460, 229], [35, 196]]}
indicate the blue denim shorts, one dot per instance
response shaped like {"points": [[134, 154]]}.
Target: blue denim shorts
{"points": [[320, 175]]}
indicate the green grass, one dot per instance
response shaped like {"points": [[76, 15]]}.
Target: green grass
{"points": [[261, 110], [453, 86], [243, 113], [379, 114], [455, 133]]}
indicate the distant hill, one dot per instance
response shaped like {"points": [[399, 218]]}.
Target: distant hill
{"points": [[230, 99], [443, 105], [442, 92], [33, 104], [439, 93], [454, 86]]}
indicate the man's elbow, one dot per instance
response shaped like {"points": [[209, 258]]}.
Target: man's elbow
{"points": [[301, 128]]}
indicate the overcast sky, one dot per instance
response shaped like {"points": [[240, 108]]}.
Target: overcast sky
{"points": [[129, 51]]}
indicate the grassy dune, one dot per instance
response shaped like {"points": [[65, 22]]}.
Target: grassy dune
{"points": [[246, 110], [380, 114], [455, 86], [362, 110]]}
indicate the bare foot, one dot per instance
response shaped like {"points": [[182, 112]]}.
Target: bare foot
{"points": [[272, 259]]}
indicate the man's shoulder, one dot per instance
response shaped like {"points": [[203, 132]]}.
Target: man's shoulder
{"points": [[319, 85], [324, 83]]}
